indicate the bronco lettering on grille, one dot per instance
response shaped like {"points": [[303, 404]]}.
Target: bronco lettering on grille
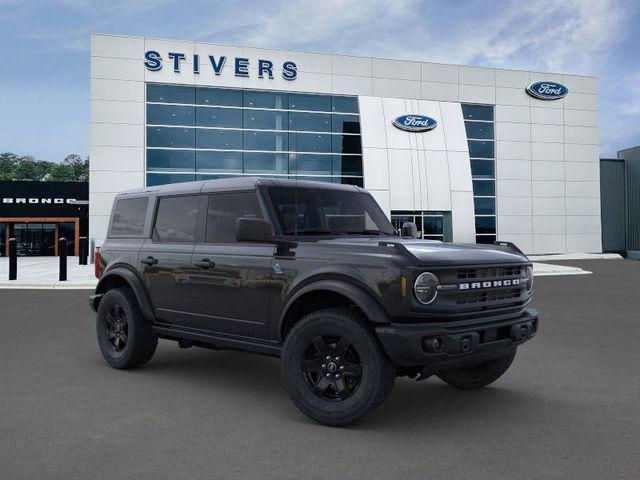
{"points": [[489, 284]]}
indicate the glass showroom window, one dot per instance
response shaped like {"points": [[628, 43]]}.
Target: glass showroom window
{"points": [[199, 133], [430, 224], [480, 127]]}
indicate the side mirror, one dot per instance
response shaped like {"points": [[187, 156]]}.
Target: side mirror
{"points": [[253, 230], [409, 230]]}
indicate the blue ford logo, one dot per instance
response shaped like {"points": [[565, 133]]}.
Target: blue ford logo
{"points": [[547, 90], [415, 123]]}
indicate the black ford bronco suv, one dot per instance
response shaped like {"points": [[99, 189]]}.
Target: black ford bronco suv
{"points": [[316, 274]]}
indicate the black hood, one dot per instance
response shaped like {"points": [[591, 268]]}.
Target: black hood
{"points": [[425, 252]]}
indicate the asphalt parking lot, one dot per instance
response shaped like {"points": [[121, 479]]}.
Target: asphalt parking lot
{"points": [[568, 408]]}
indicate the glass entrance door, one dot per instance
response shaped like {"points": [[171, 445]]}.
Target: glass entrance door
{"points": [[35, 239]]}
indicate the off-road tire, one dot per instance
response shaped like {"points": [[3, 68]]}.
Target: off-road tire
{"points": [[141, 342], [377, 372], [480, 375]]}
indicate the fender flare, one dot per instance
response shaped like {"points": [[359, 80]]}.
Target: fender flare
{"points": [[137, 287], [364, 300]]}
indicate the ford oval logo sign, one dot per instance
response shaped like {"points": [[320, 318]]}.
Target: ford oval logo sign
{"points": [[415, 123], [547, 90]]}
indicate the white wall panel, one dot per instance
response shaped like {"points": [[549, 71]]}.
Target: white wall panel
{"points": [[580, 171], [112, 134], [117, 47], [372, 121], [375, 168], [112, 111], [512, 113], [547, 133], [351, 85], [401, 180], [396, 69], [583, 224], [584, 118], [462, 219], [581, 153], [513, 169], [584, 242], [513, 150], [459, 171], [347, 65], [455, 135], [583, 189], [513, 188], [437, 180], [581, 101], [477, 75], [439, 91], [583, 206], [545, 206], [581, 135], [384, 87], [122, 90], [579, 84], [549, 243], [439, 72], [514, 224], [514, 132], [117, 68], [523, 241], [512, 96], [547, 170], [512, 78], [554, 224], [513, 205], [550, 116], [551, 152], [477, 94], [547, 188], [117, 158]]}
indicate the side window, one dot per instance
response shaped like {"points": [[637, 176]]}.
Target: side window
{"points": [[176, 219], [224, 210], [129, 215]]}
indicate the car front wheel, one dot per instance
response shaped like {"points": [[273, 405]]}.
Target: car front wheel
{"points": [[334, 367]]}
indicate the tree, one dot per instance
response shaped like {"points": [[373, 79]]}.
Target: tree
{"points": [[16, 167]]}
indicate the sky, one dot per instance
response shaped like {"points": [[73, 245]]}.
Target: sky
{"points": [[44, 77]]}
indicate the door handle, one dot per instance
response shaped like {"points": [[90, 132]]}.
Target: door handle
{"points": [[205, 263], [149, 261]]}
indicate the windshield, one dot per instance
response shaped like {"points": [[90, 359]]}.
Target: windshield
{"points": [[309, 211]]}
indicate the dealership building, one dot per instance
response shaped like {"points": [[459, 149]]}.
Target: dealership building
{"points": [[469, 154]]}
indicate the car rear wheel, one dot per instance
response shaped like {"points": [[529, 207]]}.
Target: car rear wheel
{"points": [[480, 375], [334, 368], [126, 340]]}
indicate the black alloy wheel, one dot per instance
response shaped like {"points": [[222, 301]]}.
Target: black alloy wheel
{"points": [[332, 368], [117, 327], [125, 338]]}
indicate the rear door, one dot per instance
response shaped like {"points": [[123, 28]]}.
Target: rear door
{"points": [[165, 259], [230, 288]]}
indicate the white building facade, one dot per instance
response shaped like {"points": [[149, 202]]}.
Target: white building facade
{"points": [[500, 163]]}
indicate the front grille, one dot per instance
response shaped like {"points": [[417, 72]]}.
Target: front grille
{"points": [[489, 272], [489, 296]]}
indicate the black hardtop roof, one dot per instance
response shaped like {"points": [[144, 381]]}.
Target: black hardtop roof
{"points": [[236, 183]]}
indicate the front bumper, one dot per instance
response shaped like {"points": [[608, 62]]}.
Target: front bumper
{"points": [[445, 346]]}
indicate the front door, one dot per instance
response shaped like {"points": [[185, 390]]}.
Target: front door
{"points": [[230, 289], [35, 239], [165, 260]]}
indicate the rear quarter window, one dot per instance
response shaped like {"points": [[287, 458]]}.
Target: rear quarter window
{"points": [[129, 215]]}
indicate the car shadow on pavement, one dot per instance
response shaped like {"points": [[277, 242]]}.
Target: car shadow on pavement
{"points": [[411, 405]]}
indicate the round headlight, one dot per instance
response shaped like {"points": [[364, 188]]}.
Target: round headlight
{"points": [[529, 279], [426, 288]]}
